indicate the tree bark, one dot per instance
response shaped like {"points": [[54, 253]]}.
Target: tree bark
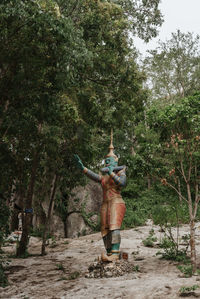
{"points": [[179, 189], [192, 230], [27, 216], [65, 228], [192, 245], [12, 217], [50, 211]]}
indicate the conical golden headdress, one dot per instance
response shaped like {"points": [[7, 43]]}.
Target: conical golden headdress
{"points": [[111, 148]]}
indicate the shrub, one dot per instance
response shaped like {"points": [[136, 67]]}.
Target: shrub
{"points": [[149, 241]]}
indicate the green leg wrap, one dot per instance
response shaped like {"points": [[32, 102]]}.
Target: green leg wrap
{"points": [[107, 242], [115, 248]]}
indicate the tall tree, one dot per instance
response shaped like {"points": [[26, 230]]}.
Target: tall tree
{"points": [[178, 154], [173, 68], [67, 71], [41, 47], [144, 16]]}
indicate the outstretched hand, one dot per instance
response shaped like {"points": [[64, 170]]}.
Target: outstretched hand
{"points": [[78, 162]]}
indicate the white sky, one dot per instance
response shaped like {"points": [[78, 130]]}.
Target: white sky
{"points": [[178, 14]]}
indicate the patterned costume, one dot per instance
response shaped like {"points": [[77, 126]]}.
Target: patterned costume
{"points": [[113, 208]]}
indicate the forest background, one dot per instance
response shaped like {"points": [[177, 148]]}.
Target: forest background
{"points": [[69, 73]]}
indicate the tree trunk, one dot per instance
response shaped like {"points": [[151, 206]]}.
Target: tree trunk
{"points": [[26, 223], [192, 245], [44, 238], [192, 230], [65, 228], [179, 190], [17, 207], [12, 220], [27, 216], [50, 211]]}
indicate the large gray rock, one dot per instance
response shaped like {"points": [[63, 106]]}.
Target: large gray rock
{"points": [[87, 198]]}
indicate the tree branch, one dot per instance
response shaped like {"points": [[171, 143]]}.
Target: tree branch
{"points": [[171, 186]]}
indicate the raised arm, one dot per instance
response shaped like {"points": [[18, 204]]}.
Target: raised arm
{"points": [[93, 176]]}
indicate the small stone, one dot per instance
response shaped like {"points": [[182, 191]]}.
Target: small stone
{"points": [[125, 255], [139, 258], [188, 294], [108, 274], [181, 276]]}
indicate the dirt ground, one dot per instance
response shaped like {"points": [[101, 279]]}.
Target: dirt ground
{"points": [[61, 273]]}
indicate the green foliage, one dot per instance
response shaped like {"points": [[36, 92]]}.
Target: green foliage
{"points": [[171, 251], [132, 220], [136, 268], [154, 203], [166, 243], [187, 270], [170, 213], [37, 232], [73, 275], [173, 68], [178, 126], [149, 241], [60, 267], [154, 160], [144, 17], [138, 204]]}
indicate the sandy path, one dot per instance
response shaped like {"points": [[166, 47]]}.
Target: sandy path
{"points": [[49, 276]]}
